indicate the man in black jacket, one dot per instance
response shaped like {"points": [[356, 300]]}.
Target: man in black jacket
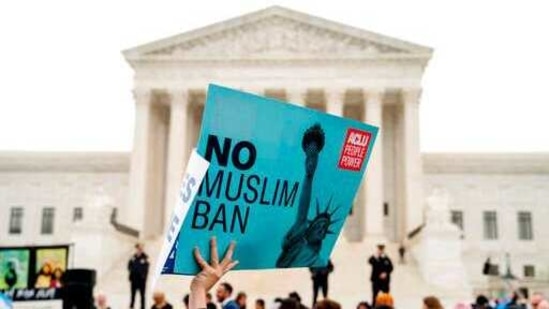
{"points": [[138, 266], [319, 275], [381, 272]]}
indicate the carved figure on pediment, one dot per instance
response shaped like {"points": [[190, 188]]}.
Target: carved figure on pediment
{"points": [[274, 36]]}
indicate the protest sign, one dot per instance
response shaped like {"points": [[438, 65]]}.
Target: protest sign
{"points": [[281, 182]]}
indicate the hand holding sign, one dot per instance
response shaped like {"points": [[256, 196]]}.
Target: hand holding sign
{"points": [[210, 273]]}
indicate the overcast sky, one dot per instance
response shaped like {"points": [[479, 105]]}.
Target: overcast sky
{"points": [[64, 84]]}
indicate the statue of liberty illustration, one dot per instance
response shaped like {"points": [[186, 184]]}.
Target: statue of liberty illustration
{"points": [[302, 243]]}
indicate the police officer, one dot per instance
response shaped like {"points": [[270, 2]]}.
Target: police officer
{"points": [[319, 275], [138, 266], [381, 272]]}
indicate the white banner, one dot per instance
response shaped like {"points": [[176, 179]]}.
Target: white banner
{"points": [[194, 173]]}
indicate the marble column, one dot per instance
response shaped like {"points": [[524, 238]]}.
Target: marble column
{"points": [[297, 96], [335, 101], [374, 173], [133, 214], [412, 169], [177, 154]]}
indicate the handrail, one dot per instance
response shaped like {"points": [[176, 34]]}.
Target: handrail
{"points": [[124, 229], [413, 233]]}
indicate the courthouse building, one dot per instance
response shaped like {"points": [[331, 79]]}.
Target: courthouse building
{"points": [[102, 202]]}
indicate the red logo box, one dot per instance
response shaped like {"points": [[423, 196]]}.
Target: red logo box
{"points": [[355, 149]]}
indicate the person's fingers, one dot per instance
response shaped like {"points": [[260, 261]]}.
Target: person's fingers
{"points": [[214, 259], [199, 259], [230, 266], [229, 254]]}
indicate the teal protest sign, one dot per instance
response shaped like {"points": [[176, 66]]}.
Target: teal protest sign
{"points": [[281, 181]]}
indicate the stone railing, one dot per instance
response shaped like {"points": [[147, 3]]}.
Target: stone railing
{"points": [[100, 241], [124, 229], [415, 232]]}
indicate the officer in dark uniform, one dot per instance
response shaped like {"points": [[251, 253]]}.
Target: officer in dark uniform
{"points": [[138, 266], [319, 275], [381, 272]]}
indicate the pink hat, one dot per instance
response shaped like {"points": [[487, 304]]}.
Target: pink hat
{"points": [[462, 306]]}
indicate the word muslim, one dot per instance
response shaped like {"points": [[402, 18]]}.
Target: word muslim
{"points": [[236, 186]]}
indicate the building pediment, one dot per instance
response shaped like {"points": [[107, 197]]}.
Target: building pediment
{"points": [[276, 33]]}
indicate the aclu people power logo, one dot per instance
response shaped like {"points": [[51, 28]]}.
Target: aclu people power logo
{"points": [[354, 150]]}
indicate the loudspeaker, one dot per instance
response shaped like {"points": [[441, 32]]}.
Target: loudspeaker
{"points": [[77, 288], [524, 292]]}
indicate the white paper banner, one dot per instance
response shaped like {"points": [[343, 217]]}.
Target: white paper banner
{"points": [[194, 173]]}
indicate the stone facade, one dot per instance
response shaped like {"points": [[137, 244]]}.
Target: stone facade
{"points": [[296, 57], [506, 184], [63, 181], [311, 62]]}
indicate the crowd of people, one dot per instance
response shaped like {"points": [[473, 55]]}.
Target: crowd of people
{"points": [[381, 269], [383, 301]]}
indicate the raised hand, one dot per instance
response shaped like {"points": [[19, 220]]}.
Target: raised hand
{"points": [[212, 272]]}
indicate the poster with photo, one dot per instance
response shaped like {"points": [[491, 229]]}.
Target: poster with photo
{"points": [[51, 263], [32, 273], [14, 268]]}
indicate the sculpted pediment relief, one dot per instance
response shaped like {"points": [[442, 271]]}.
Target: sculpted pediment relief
{"points": [[276, 33], [274, 37]]}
